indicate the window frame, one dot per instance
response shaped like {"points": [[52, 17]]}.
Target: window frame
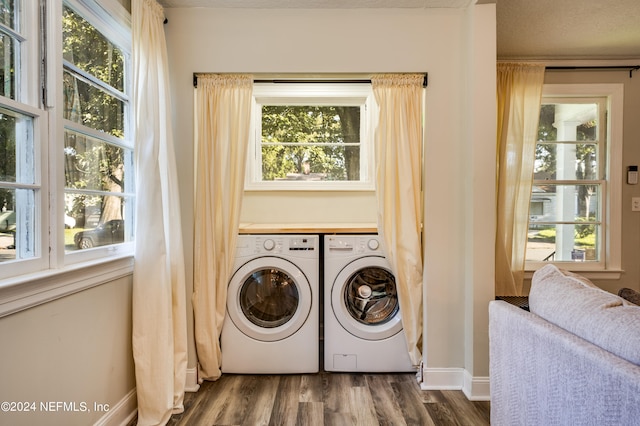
{"points": [[26, 102], [609, 265], [110, 19], [31, 282], [305, 93]]}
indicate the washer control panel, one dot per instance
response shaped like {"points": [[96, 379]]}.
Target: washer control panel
{"points": [[249, 245], [337, 244], [301, 244]]}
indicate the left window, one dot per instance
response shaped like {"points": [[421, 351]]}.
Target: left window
{"points": [[66, 151]]}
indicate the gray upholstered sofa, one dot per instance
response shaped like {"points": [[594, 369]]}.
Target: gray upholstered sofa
{"points": [[573, 360]]}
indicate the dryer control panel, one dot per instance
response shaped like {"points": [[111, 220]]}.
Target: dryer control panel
{"points": [[249, 245]]}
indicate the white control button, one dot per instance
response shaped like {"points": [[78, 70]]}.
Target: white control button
{"points": [[269, 245], [373, 244]]}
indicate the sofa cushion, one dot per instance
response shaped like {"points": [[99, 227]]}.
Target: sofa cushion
{"points": [[630, 295], [575, 304]]}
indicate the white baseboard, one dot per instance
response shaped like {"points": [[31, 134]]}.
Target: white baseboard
{"points": [[474, 388], [442, 379], [191, 382], [122, 413]]}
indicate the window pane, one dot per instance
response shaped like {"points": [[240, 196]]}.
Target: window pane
{"points": [[17, 224], [16, 147], [104, 60], [7, 148], [318, 124], [566, 161], [93, 164], [99, 200], [568, 122], [7, 66], [311, 143], [7, 13], [98, 220], [93, 107], [310, 163], [7, 225], [564, 203], [563, 242]]}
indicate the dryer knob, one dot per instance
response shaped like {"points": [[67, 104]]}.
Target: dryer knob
{"points": [[373, 244], [269, 245]]}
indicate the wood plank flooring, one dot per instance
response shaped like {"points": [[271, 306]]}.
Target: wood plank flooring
{"points": [[339, 399]]}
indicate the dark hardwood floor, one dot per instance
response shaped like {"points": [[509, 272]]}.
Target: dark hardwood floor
{"points": [[327, 399]]}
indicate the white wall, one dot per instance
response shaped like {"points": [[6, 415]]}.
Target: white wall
{"points": [[357, 41], [75, 349], [480, 174]]}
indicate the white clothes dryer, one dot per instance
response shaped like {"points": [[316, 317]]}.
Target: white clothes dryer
{"points": [[362, 322], [271, 324]]}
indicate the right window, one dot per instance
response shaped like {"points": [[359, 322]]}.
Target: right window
{"points": [[574, 216]]}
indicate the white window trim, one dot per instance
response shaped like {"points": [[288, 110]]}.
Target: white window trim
{"points": [[30, 290], [304, 94], [30, 93], [613, 199]]}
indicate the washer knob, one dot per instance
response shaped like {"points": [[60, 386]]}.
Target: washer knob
{"points": [[269, 244], [373, 244]]}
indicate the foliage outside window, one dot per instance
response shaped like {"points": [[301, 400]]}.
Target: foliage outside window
{"points": [[98, 151], [311, 136], [568, 201]]}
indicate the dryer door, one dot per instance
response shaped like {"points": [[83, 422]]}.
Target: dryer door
{"points": [[269, 299], [365, 300]]}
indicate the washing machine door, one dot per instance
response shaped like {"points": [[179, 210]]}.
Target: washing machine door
{"points": [[364, 299], [269, 299]]}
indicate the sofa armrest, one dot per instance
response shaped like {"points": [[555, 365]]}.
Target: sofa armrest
{"points": [[542, 374]]}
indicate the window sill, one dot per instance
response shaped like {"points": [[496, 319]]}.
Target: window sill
{"points": [[27, 291], [601, 274]]}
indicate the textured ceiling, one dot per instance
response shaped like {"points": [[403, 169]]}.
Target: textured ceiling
{"points": [[526, 29], [568, 29]]}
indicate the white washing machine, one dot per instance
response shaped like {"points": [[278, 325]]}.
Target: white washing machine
{"points": [[362, 322], [272, 319]]}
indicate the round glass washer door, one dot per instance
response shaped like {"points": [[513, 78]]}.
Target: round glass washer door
{"points": [[364, 299], [269, 299]]}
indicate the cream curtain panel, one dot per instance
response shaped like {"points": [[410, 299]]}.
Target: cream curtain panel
{"points": [[223, 117], [159, 300], [398, 146], [519, 96]]}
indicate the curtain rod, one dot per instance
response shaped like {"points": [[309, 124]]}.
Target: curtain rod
{"points": [[289, 81], [631, 68]]}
